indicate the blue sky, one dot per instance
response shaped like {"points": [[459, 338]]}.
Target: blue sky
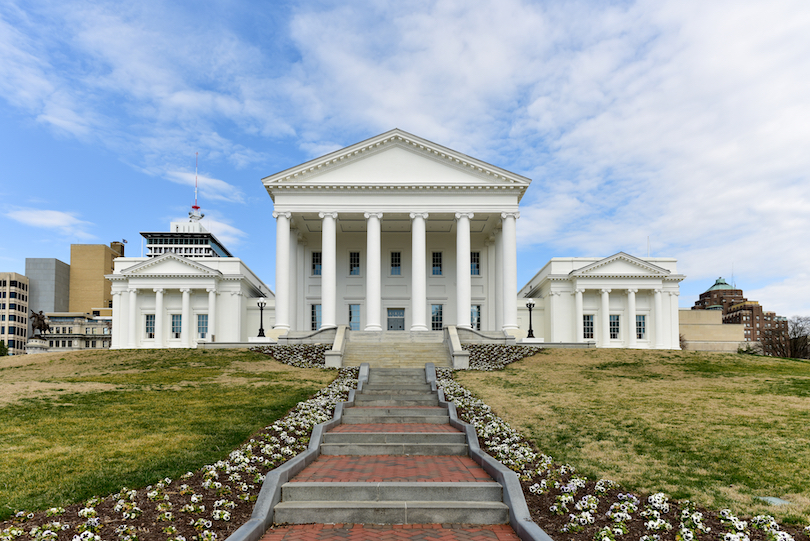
{"points": [[687, 122]]}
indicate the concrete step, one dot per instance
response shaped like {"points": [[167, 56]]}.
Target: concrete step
{"points": [[394, 449], [391, 491], [380, 388], [365, 419], [391, 512], [394, 437], [393, 381], [396, 400]]}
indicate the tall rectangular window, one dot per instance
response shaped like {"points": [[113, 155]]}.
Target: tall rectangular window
{"points": [[436, 318], [615, 325], [316, 263], [475, 316], [475, 263], [202, 325], [177, 325], [354, 263], [641, 327], [396, 263], [354, 317], [150, 325], [587, 327], [437, 263], [315, 317]]}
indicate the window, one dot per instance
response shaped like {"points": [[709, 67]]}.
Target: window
{"points": [[396, 263], [93, 343], [150, 325], [202, 325], [316, 263], [70, 343], [436, 315], [354, 317], [87, 343], [316, 317], [641, 327], [475, 316], [177, 325], [587, 327], [475, 263], [437, 263], [354, 263], [614, 327]]}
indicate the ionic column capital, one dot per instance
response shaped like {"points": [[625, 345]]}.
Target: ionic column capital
{"points": [[185, 290], [116, 293], [158, 290], [605, 290], [236, 293], [634, 291], [423, 215], [674, 293], [468, 215], [579, 290], [505, 215], [211, 290], [377, 215], [285, 214], [132, 290], [330, 214]]}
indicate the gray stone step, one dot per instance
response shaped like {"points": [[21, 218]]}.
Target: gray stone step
{"points": [[391, 512], [394, 449], [396, 400], [394, 381], [394, 437], [393, 410], [390, 491], [361, 419], [382, 388]]}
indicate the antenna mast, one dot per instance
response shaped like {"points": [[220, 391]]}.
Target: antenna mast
{"points": [[195, 215]]}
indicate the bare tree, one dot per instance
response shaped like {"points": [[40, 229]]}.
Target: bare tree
{"points": [[792, 341]]}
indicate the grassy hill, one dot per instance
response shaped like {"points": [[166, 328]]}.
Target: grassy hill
{"points": [[79, 424], [718, 429]]}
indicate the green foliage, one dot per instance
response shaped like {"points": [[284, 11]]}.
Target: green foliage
{"points": [[3, 348]]}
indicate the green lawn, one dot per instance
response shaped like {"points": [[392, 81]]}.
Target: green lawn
{"points": [[78, 425], [719, 429]]}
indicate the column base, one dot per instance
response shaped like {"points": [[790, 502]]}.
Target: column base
{"points": [[281, 327], [419, 328], [374, 328]]}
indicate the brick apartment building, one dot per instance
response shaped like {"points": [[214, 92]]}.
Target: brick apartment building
{"points": [[760, 326]]}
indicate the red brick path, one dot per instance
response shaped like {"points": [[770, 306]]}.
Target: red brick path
{"points": [[405, 427], [396, 532], [390, 468]]}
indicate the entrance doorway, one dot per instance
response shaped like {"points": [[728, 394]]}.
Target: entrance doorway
{"points": [[396, 319]]}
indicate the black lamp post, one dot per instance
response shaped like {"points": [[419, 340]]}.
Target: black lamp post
{"points": [[261, 304], [530, 305]]}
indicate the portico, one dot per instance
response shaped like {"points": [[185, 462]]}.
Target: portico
{"points": [[396, 229]]}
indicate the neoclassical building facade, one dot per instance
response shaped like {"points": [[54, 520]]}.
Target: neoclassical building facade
{"points": [[396, 233]]}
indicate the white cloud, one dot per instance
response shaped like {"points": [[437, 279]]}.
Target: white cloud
{"points": [[67, 224], [210, 188]]}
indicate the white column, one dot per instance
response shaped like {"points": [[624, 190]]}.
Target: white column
{"points": [[497, 295], [282, 270], [509, 243], [117, 333], [578, 323], [212, 313], [491, 294], [631, 317], [674, 325], [301, 313], [659, 321], [237, 333], [551, 316], [185, 319], [159, 342], [373, 278], [604, 319], [295, 275], [463, 280], [132, 330], [418, 272], [328, 269]]}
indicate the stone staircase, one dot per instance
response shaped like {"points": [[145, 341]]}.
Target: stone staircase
{"points": [[394, 460], [397, 349]]}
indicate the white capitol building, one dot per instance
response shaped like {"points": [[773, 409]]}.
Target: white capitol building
{"points": [[395, 233]]}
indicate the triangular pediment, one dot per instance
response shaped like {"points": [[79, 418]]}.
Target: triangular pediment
{"points": [[170, 264], [620, 264], [396, 158]]}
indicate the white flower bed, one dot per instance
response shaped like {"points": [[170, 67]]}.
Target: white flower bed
{"points": [[489, 357], [298, 355]]}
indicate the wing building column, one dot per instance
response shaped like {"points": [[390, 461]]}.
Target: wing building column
{"points": [[159, 343], [373, 271], [132, 331], [212, 313], [604, 319], [418, 270], [659, 320], [579, 325], [631, 318], [185, 319]]}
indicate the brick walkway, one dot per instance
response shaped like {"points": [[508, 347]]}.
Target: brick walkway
{"points": [[390, 468], [396, 532], [409, 428]]}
